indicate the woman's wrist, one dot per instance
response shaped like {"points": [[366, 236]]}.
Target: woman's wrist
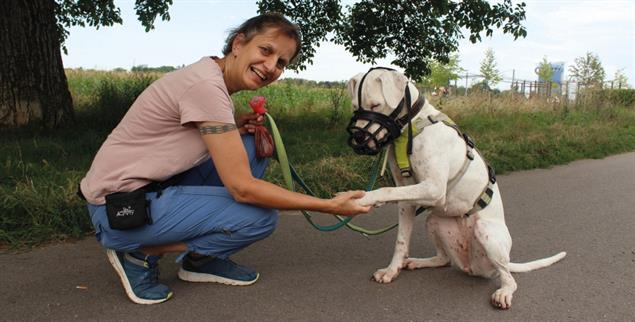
{"points": [[329, 206]]}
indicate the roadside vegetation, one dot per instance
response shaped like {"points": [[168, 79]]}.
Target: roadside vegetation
{"points": [[40, 169]]}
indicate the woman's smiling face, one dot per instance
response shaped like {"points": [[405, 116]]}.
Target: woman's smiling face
{"points": [[261, 60]]}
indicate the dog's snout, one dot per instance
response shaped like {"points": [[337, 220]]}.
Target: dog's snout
{"points": [[359, 137]]}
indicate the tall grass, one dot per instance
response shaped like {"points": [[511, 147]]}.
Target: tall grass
{"points": [[40, 170]]}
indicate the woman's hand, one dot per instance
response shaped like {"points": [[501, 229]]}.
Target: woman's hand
{"points": [[345, 203], [246, 123]]}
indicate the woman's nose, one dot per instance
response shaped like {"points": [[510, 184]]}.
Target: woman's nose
{"points": [[270, 64]]}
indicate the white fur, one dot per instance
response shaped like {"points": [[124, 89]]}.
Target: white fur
{"points": [[479, 244]]}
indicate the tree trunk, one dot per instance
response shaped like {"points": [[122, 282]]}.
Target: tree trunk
{"points": [[33, 86]]}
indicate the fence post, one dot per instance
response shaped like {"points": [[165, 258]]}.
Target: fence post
{"points": [[455, 87], [531, 86], [466, 80], [523, 91], [566, 97]]}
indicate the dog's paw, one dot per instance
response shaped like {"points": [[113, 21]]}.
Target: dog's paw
{"points": [[502, 299], [366, 200], [385, 275], [412, 263], [369, 199]]}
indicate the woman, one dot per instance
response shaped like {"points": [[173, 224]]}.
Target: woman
{"points": [[209, 208]]}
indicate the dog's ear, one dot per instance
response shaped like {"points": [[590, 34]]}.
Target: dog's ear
{"points": [[393, 85], [352, 88]]}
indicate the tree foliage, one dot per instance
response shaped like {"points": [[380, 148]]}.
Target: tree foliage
{"points": [[545, 71], [620, 80], [414, 32], [441, 74], [588, 70], [71, 13], [488, 69]]}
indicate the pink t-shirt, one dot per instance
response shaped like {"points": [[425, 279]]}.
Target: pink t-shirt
{"points": [[156, 139]]}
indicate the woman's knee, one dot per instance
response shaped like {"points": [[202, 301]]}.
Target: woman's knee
{"points": [[271, 221], [264, 226], [107, 237], [268, 222]]}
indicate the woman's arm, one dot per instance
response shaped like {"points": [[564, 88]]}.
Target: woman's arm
{"points": [[230, 159]]}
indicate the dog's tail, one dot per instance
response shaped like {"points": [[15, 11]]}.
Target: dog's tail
{"points": [[533, 265]]}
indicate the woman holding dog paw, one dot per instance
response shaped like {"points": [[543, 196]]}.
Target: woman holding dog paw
{"points": [[180, 173]]}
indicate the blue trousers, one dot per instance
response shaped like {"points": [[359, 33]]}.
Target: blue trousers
{"points": [[199, 212]]}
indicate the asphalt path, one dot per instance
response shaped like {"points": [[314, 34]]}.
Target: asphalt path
{"points": [[586, 208]]}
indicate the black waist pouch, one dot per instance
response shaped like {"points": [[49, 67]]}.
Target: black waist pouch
{"points": [[128, 210]]}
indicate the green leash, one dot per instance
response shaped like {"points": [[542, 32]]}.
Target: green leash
{"points": [[289, 175]]}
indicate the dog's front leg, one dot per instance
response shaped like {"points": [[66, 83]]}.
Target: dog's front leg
{"points": [[402, 245], [429, 193]]}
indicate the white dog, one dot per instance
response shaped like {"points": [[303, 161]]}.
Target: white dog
{"points": [[448, 184]]}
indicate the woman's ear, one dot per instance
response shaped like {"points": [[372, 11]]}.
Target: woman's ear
{"points": [[238, 43]]}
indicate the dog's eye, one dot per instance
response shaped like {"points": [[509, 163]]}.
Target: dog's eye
{"points": [[374, 106]]}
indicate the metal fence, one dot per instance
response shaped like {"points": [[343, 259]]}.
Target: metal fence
{"points": [[567, 91]]}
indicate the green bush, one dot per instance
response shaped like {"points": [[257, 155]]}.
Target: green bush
{"points": [[620, 97]]}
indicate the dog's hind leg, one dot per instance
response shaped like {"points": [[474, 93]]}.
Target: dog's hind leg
{"points": [[406, 222], [441, 258], [496, 243]]}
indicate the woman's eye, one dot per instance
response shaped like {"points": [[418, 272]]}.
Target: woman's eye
{"points": [[264, 50]]}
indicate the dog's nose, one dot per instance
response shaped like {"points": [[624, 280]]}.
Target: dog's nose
{"points": [[359, 137]]}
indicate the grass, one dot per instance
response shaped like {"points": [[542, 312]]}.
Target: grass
{"points": [[39, 170]]}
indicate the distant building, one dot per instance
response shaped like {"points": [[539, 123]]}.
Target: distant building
{"points": [[557, 77], [558, 72]]}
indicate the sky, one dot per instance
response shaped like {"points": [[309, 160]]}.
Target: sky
{"points": [[560, 30]]}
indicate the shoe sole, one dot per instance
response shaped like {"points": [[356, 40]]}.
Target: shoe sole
{"points": [[210, 278], [116, 264]]}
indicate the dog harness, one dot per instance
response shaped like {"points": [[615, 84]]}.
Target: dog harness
{"points": [[418, 125]]}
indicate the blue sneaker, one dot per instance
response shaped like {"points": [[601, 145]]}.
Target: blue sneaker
{"points": [[216, 270], [140, 277]]}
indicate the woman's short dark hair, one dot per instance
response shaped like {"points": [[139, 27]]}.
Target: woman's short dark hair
{"points": [[260, 24]]}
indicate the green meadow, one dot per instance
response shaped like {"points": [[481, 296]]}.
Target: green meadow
{"points": [[40, 169]]}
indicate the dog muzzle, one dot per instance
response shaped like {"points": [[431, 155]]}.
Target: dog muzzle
{"points": [[379, 131]]}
